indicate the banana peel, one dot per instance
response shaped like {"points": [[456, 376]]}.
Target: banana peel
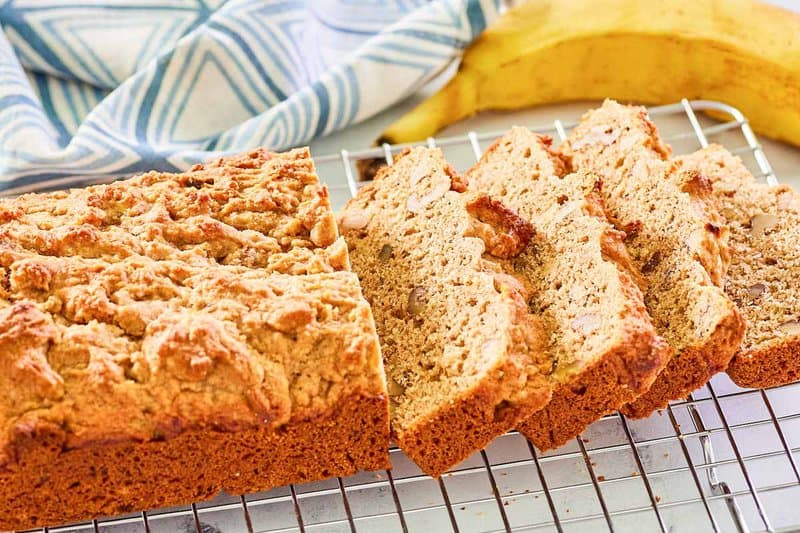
{"points": [[741, 52]]}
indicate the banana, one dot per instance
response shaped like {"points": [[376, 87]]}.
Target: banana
{"points": [[742, 52]]}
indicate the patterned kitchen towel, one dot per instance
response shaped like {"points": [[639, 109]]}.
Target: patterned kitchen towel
{"points": [[95, 90]]}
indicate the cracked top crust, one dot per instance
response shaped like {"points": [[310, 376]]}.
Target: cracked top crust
{"points": [[256, 209]]}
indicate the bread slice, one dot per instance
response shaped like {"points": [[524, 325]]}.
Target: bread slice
{"points": [[676, 238], [464, 357], [764, 276], [142, 365], [605, 348]]}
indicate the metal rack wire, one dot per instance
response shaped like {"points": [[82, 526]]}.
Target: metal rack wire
{"points": [[724, 459]]}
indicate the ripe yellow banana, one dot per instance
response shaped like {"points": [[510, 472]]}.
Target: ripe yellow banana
{"points": [[742, 52]]}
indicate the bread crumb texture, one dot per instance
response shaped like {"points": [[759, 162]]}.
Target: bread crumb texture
{"points": [[764, 276], [582, 283], [463, 354], [676, 238]]}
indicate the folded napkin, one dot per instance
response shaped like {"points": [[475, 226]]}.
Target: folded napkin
{"points": [[90, 91]]}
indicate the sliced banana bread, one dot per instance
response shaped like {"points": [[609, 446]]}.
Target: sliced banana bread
{"points": [[676, 238], [464, 356], [605, 348], [764, 276]]}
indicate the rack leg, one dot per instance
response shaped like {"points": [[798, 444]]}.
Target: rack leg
{"points": [[717, 487]]}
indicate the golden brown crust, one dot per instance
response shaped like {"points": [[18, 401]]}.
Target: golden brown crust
{"points": [[167, 344], [505, 234], [57, 485], [617, 378], [598, 390], [771, 366], [477, 418], [256, 209]]}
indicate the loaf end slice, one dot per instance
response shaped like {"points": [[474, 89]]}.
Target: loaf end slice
{"points": [[583, 285], [464, 356], [764, 276], [677, 239]]}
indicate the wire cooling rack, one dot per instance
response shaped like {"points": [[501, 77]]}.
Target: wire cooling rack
{"points": [[725, 459]]}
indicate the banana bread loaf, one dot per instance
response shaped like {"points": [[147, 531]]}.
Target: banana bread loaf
{"points": [[676, 238], [764, 276], [464, 357], [137, 371], [605, 348]]}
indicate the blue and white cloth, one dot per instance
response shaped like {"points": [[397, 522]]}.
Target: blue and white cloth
{"points": [[96, 89]]}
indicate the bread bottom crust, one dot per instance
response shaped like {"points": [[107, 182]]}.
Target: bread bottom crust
{"points": [[49, 486], [475, 420], [692, 368], [614, 380], [769, 367]]}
